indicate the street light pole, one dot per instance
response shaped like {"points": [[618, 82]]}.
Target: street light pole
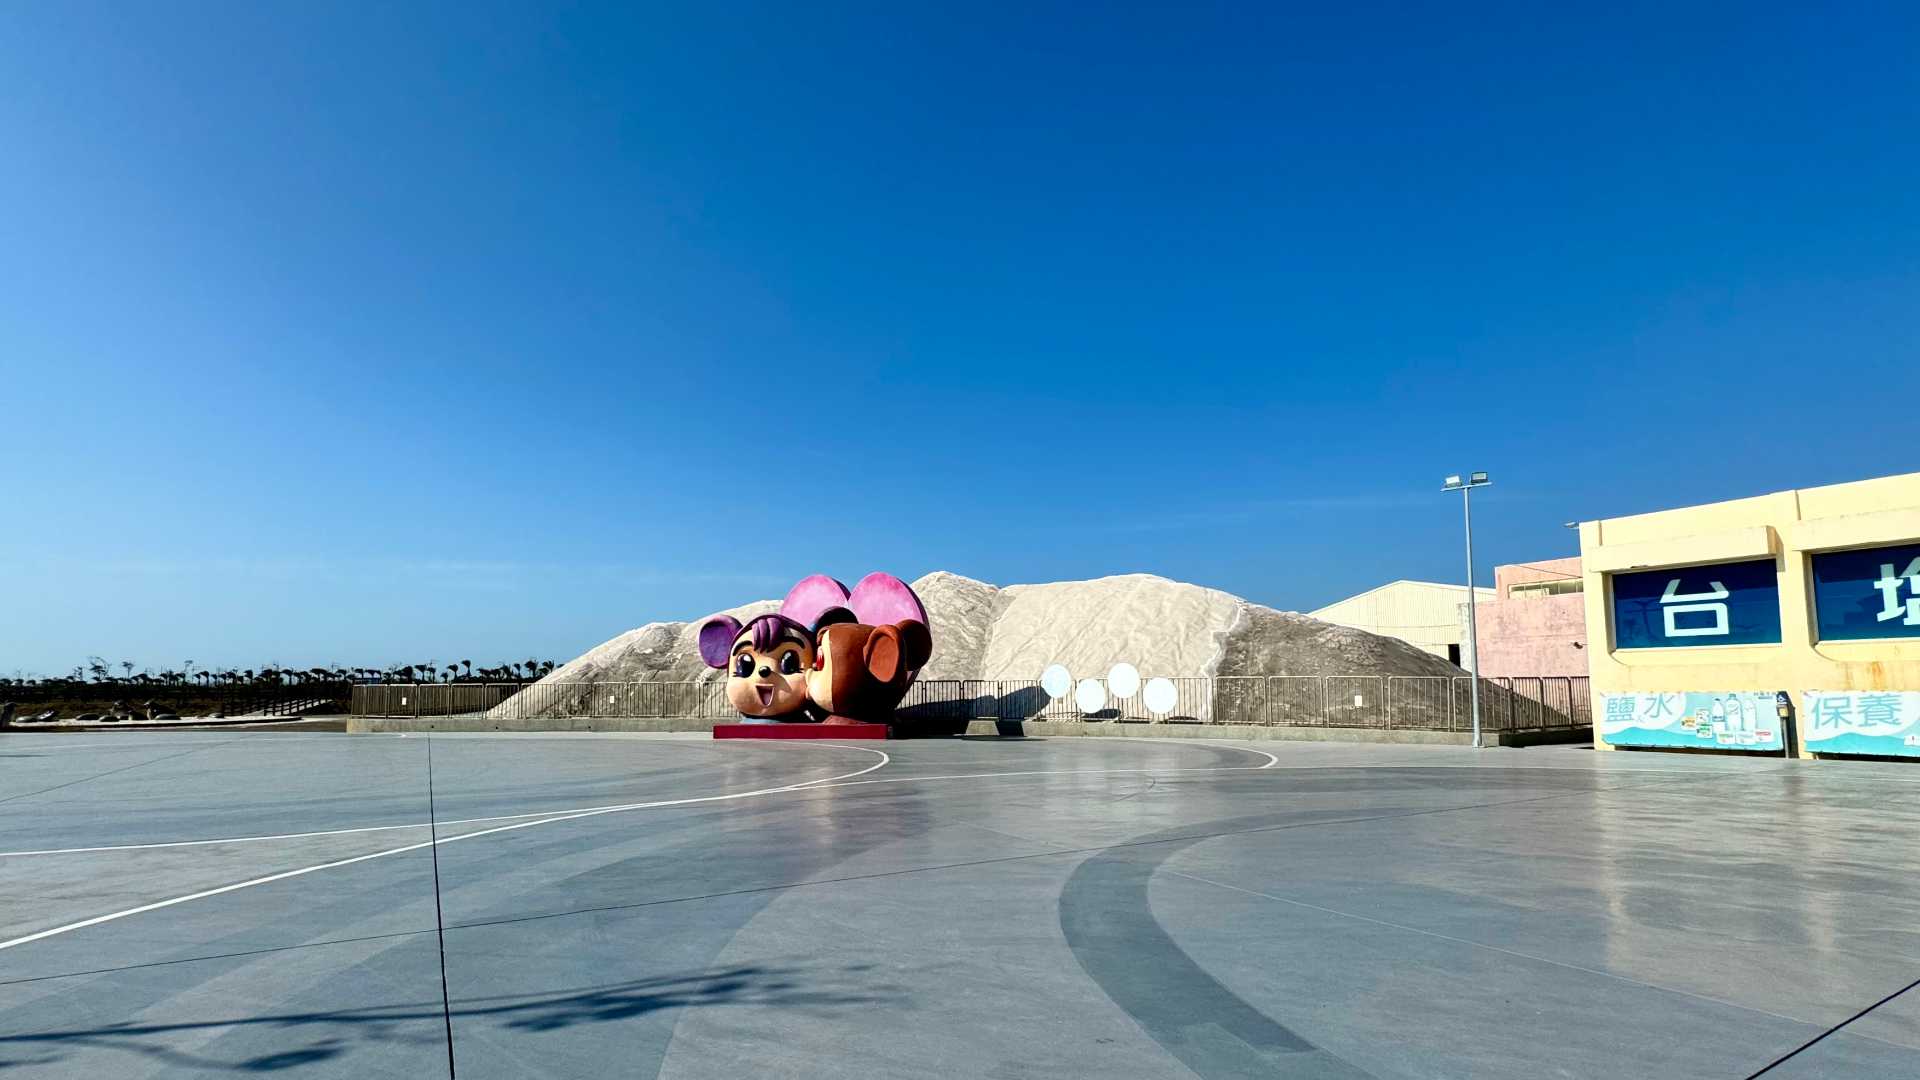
{"points": [[1465, 488]]}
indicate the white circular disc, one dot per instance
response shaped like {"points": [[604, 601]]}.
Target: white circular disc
{"points": [[1124, 680], [1160, 696], [1090, 696], [1057, 681]]}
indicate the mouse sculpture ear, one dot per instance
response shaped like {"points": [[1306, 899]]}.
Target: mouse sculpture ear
{"points": [[893, 653], [716, 639], [880, 599], [916, 643], [883, 655], [811, 597], [830, 617]]}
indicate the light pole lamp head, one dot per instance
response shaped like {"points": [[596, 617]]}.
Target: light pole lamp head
{"points": [[1472, 480]]}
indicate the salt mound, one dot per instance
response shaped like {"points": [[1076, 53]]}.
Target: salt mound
{"points": [[1161, 627], [981, 631], [656, 652], [961, 611]]}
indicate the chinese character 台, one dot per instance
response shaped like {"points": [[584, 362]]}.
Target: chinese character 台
{"points": [[1674, 603]]}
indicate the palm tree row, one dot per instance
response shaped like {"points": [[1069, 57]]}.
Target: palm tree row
{"points": [[96, 672]]}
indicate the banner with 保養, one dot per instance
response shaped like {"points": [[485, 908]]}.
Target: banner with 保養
{"points": [[1861, 722]]}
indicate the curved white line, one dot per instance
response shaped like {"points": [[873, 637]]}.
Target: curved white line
{"points": [[828, 782], [1271, 763], [1060, 772], [285, 874], [294, 835], [1272, 760]]}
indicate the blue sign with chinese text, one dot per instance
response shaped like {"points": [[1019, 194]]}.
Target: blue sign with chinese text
{"points": [[1724, 604], [1867, 594], [1861, 722]]}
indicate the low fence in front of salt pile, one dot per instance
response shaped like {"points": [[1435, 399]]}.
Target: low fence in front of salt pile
{"points": [[1382, 702]]}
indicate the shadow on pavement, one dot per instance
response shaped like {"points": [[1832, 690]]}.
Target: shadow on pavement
{"points": [[332, 1034]]}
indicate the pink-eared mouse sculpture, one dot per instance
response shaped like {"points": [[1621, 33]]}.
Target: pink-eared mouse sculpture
{"points": [[827, 654]]}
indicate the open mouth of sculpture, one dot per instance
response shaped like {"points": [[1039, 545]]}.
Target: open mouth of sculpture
{"points": [[766, 695]]}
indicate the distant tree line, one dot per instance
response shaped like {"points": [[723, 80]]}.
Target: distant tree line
{"points": [[99, 690], [97, 674]]}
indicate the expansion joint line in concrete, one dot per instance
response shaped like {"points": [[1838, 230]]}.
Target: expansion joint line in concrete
{"points": [[1185, 838], [1810, 1043], [385, 852], [811, 785], [439, 916], [240, 954], [846, 779], [110, 772]]}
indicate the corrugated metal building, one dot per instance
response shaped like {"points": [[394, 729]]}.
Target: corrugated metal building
{"points": [[1425, 614]]}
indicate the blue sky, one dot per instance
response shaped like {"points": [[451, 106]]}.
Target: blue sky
{"points": [[377, 333]]}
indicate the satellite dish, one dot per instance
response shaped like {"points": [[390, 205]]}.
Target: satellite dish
{"points": [[1057, 681], [1124, 680], [1160, 696], [1090, 696]]}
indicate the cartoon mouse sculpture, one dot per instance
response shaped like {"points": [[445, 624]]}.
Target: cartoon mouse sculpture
{"points": [[827, 655]]}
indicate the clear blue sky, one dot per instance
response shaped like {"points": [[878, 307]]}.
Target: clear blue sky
{"points": [[371, 333]]}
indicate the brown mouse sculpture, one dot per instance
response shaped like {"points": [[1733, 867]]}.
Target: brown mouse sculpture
{"points": [[861, 672]]}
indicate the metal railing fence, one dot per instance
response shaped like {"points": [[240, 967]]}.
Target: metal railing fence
{"points": [[1414, 702], [71, 698]]}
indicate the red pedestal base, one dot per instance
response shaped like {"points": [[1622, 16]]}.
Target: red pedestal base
{"points": [[799, 731]]}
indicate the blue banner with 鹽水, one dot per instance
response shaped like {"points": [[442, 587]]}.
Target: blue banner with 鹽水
{"points": [[1717, 720]]}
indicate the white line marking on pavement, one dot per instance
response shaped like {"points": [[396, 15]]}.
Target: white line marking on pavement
{"points": [[285, 874], [33, 742], [828, 782], [1272, 762]]}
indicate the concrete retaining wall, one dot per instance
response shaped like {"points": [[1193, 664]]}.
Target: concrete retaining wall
{"points": [[1004, 728], [390, 724], [1272, 733]]}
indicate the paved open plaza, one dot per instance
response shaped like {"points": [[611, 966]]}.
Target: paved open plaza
{"points": [[194, 904]]}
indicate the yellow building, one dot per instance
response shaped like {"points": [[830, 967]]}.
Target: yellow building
{"points": [[1704, 620]]}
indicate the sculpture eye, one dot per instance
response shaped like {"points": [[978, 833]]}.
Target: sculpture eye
{"points": [[743, 665], [790, 662]]}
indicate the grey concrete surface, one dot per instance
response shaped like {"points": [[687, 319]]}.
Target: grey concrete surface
{"points": [[205, 904]]}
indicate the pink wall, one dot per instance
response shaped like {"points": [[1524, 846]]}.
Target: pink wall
{"points": [[1533, 635]]}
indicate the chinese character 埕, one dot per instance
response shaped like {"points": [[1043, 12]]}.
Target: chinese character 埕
{"points": [[1889, 584]]}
